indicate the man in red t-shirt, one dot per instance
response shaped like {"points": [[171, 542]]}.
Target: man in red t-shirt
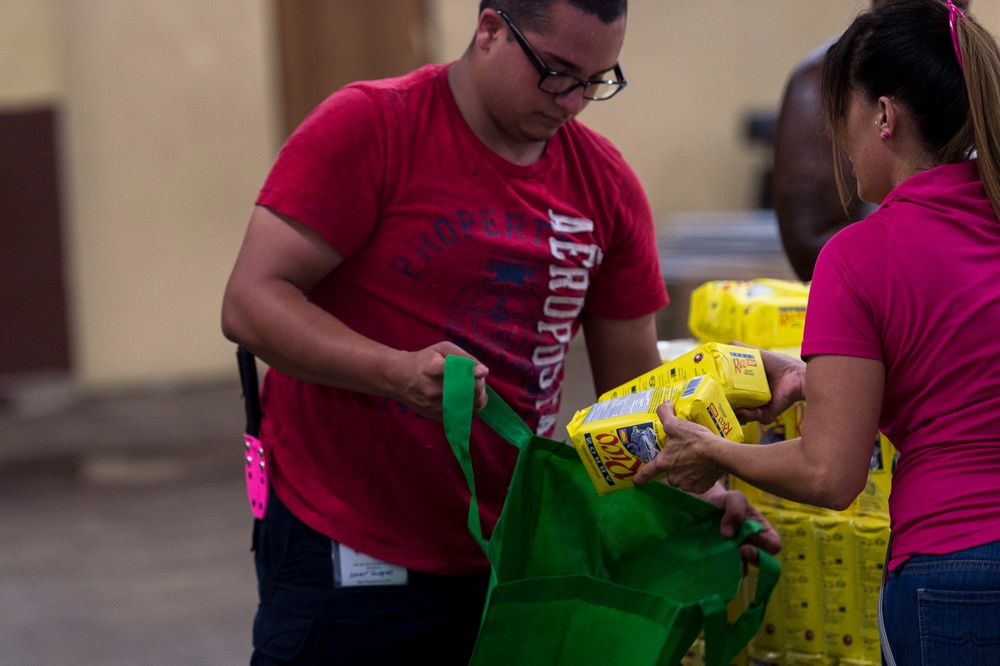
{"points": [[460, 209]]}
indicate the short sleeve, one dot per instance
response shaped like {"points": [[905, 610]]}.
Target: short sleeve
{"points": [[329, 173], [847, 294], [630, 283]]}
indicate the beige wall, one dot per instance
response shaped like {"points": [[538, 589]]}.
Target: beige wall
{"points": [[694, 70], [170, 124], [29, 73]]}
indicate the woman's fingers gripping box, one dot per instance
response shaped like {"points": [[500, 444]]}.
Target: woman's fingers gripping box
{"points": [[616, 436]]}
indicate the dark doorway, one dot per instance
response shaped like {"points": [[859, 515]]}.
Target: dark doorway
{"points": [[34, 335]]}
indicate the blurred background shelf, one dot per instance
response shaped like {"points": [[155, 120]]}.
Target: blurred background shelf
{"points": [[698, 247]]}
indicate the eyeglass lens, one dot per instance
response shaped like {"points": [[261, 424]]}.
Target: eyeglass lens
{"points": [[560, 84]]}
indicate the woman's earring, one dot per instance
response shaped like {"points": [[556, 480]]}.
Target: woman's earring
{"points": [[885, 134]]}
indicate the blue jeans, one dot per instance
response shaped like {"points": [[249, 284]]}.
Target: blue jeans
{"points": [[303, 619], [944, 609]]}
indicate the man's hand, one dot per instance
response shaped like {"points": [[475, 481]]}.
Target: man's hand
{"points": [[421, 379], [736, 509], [688, 468]]}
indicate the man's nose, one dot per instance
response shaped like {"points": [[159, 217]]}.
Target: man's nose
{"points": [[573, 102]]}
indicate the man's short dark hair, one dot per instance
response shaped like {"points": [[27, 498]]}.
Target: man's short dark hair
{"points": [[535, 15]]}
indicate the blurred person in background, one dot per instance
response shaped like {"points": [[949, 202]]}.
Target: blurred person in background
{"points": [[901, 331], [806, 200], [460, 209]]}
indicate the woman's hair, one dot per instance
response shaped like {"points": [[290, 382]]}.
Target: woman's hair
{"points": [[903, 49]]}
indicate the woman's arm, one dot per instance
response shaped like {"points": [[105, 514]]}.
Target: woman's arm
{"points": [[827, 466]]}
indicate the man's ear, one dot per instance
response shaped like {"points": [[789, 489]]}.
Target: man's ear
{"points": [[489, 29]]}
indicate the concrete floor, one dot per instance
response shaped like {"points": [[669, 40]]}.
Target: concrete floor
{"points": [[126, 529], [126, 532]]}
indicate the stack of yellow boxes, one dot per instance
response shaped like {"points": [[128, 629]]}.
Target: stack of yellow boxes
{"points": [[825, 609]]}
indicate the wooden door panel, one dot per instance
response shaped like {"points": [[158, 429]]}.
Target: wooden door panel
{"points": [[326, 44]]}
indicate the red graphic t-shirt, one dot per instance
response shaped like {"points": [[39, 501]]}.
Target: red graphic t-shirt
{"points": [[443, 240]]}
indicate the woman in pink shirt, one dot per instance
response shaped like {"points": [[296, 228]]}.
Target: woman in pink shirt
{"points": [[902, 331]]}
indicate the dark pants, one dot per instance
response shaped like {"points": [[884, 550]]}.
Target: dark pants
{"points": [[303, 619]]}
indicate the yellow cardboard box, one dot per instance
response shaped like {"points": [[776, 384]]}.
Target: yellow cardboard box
{"points": [[615, 437], [871, 538], [874, 499], [838, 557], [768, 644], [764, 312], [739, 371], [799, 556]]}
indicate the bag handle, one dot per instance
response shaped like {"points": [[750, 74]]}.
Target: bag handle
{"points": [[723, 641], [459, 385]]}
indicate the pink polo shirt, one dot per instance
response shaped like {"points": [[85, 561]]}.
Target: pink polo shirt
{"points": [[917, 285]]}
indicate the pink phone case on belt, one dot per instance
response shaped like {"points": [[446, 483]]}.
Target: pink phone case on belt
{"points": [[257, 485]]}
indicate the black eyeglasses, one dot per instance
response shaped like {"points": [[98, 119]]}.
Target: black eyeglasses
{"points": [[560, 83]]}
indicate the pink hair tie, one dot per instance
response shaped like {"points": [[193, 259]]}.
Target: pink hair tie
{"points": [[954, 11]]}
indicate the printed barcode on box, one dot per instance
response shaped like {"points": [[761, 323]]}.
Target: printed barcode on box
{"points": [[692, 386]]}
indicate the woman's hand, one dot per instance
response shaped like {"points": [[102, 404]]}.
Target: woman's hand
{"points": [[688, 466], [684, 456], [786, 377]]}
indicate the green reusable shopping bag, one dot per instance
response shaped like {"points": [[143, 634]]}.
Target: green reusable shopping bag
{"points": [[632, 577]]}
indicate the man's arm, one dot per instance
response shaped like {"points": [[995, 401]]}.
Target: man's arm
{"points": [[266, 310], [806, 200], [620, 349]]}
